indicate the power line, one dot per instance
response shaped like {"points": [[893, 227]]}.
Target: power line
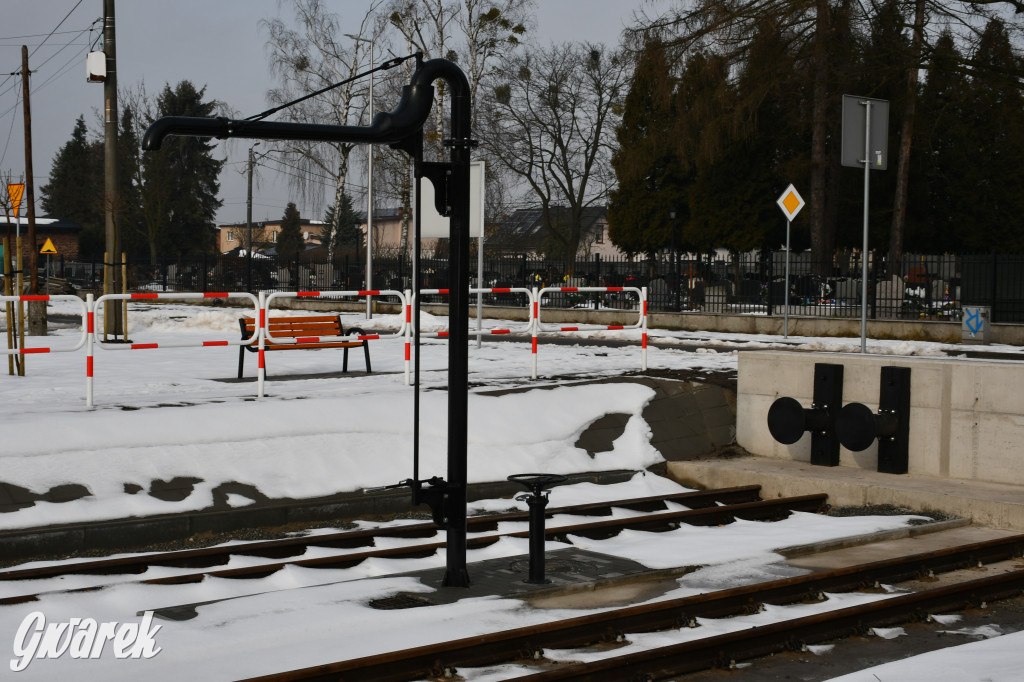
{"points": [[43, 42], [37, 35], [56, 27], [10, 131]]}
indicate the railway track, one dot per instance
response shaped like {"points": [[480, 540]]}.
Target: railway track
{"points": [[712, 507], [528, 644]]}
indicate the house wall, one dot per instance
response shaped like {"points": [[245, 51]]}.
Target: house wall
{"points": [[262, 232]]}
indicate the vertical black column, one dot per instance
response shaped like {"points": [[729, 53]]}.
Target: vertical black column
{"points": [[456, 574]]}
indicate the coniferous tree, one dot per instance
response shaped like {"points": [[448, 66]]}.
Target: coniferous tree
{"points": [[940, 154], [75, 187], [179, 192], [289, 241], [652, 178], [128, 210], [994, 173]]}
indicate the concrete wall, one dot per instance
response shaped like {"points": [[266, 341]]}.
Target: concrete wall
{"points": [[966, 422]]}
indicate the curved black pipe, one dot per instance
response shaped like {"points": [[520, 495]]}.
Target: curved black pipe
{"points": [[386, 128], [401, 125]]}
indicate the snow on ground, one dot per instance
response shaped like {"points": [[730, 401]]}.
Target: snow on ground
{"points": [[166, 413]]}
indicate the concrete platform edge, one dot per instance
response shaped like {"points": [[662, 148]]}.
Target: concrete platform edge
{"points": [[986, 504], [124, 534], [794, 551]]}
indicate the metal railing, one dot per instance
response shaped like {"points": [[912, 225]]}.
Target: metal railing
{"points": [[920, 287]]}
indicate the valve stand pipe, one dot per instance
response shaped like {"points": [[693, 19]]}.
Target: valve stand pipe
{"points": [[537, 500]]}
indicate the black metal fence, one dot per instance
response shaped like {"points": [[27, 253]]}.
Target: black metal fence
{"points": [[920, 287]]}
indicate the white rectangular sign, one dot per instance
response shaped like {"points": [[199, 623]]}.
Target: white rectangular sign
{"points": [[433, 224]]}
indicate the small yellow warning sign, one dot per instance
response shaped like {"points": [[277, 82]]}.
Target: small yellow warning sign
{"points": [[48, 247]]}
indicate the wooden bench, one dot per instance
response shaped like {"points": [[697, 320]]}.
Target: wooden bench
{"points": [[307, 332]]}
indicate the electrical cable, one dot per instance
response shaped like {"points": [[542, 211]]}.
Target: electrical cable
{"points": [[10, 131], [390, 64]]}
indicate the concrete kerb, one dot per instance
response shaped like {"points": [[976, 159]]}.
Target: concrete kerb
{"points": [[990, 504], [124, 534]]}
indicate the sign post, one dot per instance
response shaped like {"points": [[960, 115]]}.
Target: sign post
{"points": [[15, 191], [865, 131], [790, 202]]}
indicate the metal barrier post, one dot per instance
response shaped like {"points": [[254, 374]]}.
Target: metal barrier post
{"points": [[90, 308], [534, 323], [408, 335], [261, 371], [643, 343]]}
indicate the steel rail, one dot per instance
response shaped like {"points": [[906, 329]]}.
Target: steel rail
{"points": [[789, 635], [769, 509], [529, 642], [209, 556]]}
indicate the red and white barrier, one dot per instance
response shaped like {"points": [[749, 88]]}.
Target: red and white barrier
{"points": [[43, 297], [173, 296], [402, 330], [334, 294], [479, 333], [641, 323], [261, 307]]}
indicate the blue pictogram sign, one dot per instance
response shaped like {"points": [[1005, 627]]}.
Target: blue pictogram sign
{"points": [[974, 322]]}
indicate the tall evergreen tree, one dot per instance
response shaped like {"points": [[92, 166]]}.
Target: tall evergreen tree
{"points": [[75, 187], [652, 177], [995, 173], [180, 186], [938, 203], [289, 241], [129, 206]]}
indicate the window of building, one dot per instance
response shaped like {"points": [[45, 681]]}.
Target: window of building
{"points": [[600, 236], [273, 237], [231, 235]]}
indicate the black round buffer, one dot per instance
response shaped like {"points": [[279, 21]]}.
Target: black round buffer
{"points": [[537, 500], [788, 420], [857, 426]]}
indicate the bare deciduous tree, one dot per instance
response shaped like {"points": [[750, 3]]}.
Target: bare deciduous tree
{"points": [[312, 56], [551, 124]]}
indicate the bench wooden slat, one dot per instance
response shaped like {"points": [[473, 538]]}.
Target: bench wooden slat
{"points": [[299, 328]]}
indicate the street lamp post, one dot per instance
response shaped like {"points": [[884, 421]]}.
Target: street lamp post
{"points": [[248, 220], [369, 188]]}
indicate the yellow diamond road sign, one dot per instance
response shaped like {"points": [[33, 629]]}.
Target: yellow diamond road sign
{"points": [[791, 202]]}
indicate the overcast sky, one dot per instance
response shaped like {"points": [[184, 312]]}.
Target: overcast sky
{"points": [[216, 43]]}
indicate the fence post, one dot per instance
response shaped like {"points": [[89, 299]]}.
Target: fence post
{"points": [[874, 284], [992, 301], [770, 270]]}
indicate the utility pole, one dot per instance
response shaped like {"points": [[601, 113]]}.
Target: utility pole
{"points": [[112, 322], [36, 309]]}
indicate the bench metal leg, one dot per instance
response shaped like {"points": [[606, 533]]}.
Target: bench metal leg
{"points": [[241, 360], [344, 362], [366, 352]]}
